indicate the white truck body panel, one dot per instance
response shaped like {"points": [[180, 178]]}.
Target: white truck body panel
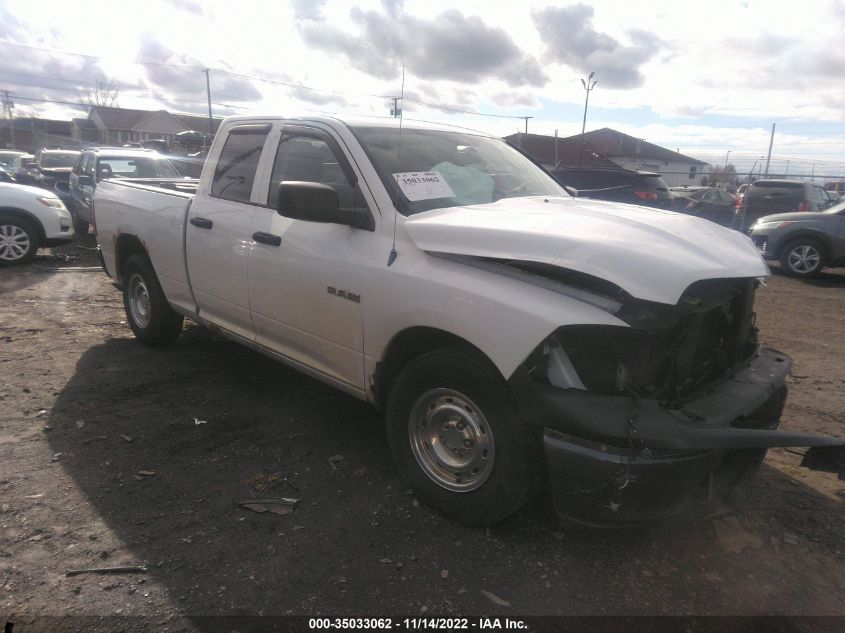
{"points": [[280, 300], [652, 254]]}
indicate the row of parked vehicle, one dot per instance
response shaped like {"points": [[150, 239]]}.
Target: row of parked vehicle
{"points": [[799, 224], [72, 176], [45, 196]]}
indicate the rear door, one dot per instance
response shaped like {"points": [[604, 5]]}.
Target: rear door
{"points": [[218, 235], [306, 279]]}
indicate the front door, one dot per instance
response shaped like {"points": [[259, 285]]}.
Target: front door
{"points": [[306, 278]]}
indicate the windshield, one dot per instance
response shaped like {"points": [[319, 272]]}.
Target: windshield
{"points": [[51, 161], [7, 159], [136, 167], [437, 169]]}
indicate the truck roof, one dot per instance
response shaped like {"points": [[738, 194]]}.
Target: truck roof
{"points": [[363, 121]]}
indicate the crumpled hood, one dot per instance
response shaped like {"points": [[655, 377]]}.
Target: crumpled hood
{"points": [[650, 253]]}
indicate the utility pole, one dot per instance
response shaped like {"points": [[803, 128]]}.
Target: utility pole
{"points": [[207, 72], [526, 122], [556, 160], [8, 104], [771, 141], [588, 86]]}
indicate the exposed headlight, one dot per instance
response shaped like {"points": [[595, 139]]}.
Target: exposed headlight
{"points": [[771, 225], [52, 202]]}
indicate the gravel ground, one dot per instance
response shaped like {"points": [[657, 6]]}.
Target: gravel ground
{"points": [[114, 454]]}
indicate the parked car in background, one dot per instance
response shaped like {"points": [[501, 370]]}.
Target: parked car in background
{"points": [[52, 166], [187, 166], [804, 243], [7, 160], [30, 218], [711, 204], [98, 163], [5, 176], [618, 185], [22, 168], [767, 197]]}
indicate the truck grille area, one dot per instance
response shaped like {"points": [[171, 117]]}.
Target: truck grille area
{"points": [[669, 352]]}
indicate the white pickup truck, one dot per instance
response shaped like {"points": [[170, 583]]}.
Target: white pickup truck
{"points": [[516, 336]]}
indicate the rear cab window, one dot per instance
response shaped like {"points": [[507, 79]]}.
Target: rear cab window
{"points": [[237, 164]]}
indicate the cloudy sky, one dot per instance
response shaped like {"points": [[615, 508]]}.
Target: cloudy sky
{"points": [[704, 78]]}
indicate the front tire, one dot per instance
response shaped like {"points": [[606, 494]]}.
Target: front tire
{"points": [[802, 257], [18, 240], [148, 313], [458, 439]]}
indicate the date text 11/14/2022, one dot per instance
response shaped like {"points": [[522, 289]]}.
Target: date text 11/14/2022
{"points": [[417, 623]]}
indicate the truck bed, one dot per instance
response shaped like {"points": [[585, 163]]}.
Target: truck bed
{"points": [[153, 210]]}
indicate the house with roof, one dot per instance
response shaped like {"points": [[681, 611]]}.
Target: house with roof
{"points": [[118, 126], [612, 149]]}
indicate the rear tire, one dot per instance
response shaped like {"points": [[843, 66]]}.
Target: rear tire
{"points": [[458, 439], [18, 240], [148, 313], [802, 257]]}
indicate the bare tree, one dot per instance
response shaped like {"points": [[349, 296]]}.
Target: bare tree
{"points": [[105, 93]]}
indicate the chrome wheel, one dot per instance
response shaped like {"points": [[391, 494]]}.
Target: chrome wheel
{"points": [[451, 440], [14, 242], [139, 301], [804, 259]]}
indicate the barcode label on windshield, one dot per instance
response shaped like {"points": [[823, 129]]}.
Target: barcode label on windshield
{"points": [[423, 185]]}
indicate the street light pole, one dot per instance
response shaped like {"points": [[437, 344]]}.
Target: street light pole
{"points": [[588, 86]]}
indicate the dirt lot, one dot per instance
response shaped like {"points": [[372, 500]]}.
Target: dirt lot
{"points": [[84, 410]]}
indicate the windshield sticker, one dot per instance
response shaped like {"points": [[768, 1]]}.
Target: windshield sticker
{"points": [[423, 185]]}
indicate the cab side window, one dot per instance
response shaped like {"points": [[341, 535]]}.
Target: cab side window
{"points": [[306, 158], [238, 161]]}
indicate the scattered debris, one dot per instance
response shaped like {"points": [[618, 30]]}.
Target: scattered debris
{"points": [[147, 473], [423, 609], [280, 506], [38, 496], [444, 574], [197, 421], [415, 503], [126, 437], [55, 457], [341, 579], [80, 424], [337, 462], [386, 561], [791, 539], [492, 597], [41, 413], [132, 569]]}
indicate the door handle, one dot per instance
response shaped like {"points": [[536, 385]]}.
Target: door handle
{"points": [[267, 238], [202, 223]]}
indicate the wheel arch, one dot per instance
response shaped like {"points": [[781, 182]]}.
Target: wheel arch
{"points": [[126, 245], [817, 236], [28, 216], [405, 346]]}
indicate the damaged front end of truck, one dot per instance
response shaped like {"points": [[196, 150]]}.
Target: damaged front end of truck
{"points": [[680, 405]]}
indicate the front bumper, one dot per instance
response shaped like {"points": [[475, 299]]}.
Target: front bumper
{"points": [[612, 459]]}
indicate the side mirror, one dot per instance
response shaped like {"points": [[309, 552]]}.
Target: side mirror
{"points": [[85, 181], [316, 202], [62, 185]]}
